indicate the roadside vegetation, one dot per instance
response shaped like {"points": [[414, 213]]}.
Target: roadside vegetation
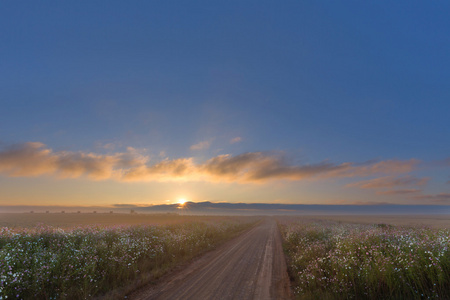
{"points": [[329, 260], [80, 263]]}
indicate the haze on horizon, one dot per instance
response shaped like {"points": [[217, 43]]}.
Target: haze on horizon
{"points": [[112, 103]]}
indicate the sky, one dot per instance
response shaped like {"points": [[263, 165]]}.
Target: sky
{"points": [[107, 103]]}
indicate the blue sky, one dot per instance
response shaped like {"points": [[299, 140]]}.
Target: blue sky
{"points": [[300, 101]]}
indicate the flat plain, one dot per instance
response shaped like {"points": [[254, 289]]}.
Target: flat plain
{"points": [[69, 220], [82, 256], [250, 264], [432, 221]]}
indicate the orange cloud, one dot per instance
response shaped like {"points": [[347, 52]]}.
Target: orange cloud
{"points": [[34, 159], [29, 159], [166, 170]]}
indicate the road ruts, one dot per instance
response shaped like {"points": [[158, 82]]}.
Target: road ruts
{"points": [[251, 266]]}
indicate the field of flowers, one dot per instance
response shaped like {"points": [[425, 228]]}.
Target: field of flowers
{"points": [[329, 260], [80, 263]]}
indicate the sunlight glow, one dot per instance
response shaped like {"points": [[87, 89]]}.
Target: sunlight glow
{"points": [[181, 201]]}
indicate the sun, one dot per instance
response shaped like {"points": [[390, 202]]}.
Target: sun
{"points": [[181, 201]]}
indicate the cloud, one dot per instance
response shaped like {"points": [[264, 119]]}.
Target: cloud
{"points": [[438, 198], [235, 140], [126, 205], [374, 168], [358, 202], [399, 192], [166, 170], [35, 159], [28, 159], [389, 182], [439, 163], [259, 166], [107, 146], [201, 145]]}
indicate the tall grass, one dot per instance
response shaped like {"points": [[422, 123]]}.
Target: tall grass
{"points": [[348, 261], [51, 263]]}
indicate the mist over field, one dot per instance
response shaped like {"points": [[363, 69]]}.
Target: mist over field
{"points": [[221, 208]]}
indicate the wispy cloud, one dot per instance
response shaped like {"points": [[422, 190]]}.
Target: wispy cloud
{"points": [[235, 140], [34, 159], [399, 192], [442, 198], [126, 205], [389, 182], [357, 202], [446, 161], [259, 166], [387, 167], [201, 145]]}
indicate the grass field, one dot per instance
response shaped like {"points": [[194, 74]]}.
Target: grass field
{"points": [[102, 255], [431, 221], [44, 256], [69, 220], [334, 259]]}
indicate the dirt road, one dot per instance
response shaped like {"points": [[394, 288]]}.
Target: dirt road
{"points": [[251, 266]]}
